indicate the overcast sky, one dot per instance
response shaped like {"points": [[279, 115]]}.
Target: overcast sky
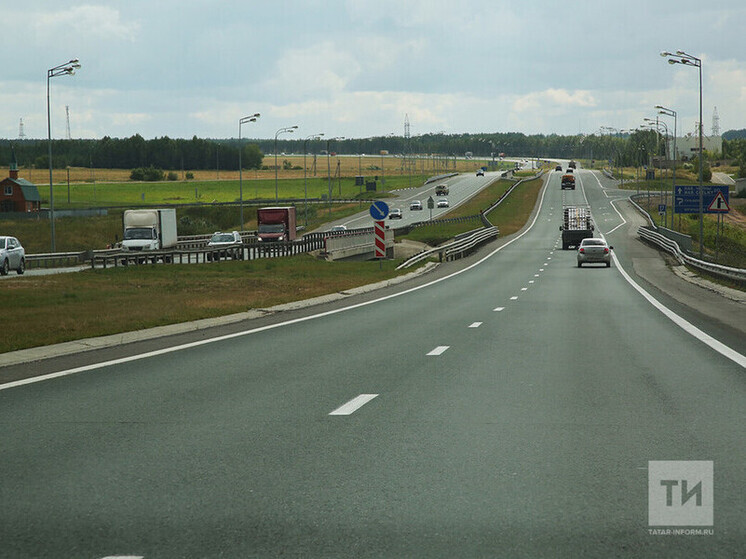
{"points": [[356, 68]]}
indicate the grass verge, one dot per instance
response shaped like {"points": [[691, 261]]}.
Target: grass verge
{"points": [[64, 307]]}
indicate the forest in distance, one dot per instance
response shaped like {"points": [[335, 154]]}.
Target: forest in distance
{"points": [[208, 154]]}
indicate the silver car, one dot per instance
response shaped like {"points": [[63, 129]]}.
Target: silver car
{"points": [[594, 250], [224, 239], [12, 256]]}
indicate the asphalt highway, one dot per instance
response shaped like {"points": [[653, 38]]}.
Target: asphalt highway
{"points": [[508, 410]]}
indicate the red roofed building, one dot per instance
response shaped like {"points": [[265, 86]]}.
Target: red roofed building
{"points": [[18, 195]]}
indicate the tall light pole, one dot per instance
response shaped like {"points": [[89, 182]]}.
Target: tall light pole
{"points": [[66, 69], [688, 60], [305, 176], [670, 112], [286, 130], [244, 120], [329, 168]]}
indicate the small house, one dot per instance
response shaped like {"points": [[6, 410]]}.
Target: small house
{"points": [[16, 194]]}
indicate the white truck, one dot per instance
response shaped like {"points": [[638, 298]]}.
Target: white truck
{"points": [[146, 230]]}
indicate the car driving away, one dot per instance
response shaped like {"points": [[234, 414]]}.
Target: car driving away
{"points": [[12, 256], [594, 250], [480, 172]]}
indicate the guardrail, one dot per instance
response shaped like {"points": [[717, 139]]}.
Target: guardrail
{"points": [[454, 249], [245, 251], [650, 234], [733, 274]]}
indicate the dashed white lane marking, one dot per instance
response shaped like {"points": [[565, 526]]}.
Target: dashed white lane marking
{"points": [[541, 269], [530, 281], [536, 275], [440, 350], [353, 405], [475, 325], [549, 257], [524, 288], [498, 309], [514, 298]]}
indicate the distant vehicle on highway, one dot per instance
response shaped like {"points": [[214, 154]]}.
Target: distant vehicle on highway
{"points": [[338, 228], [224, 239], [442, 203], [441, 190], [558, 168], [569, 170], [480, 172], [12, 256], [415, 205], [395, 213], [594, 250], [572, 164]]}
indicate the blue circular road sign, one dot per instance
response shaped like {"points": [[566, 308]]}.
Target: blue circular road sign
{"points": [[379, 210]]}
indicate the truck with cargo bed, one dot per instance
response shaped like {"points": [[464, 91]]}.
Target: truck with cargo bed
{"points": [[276, 224], [441, 190], [577, 225], [149, 230]]}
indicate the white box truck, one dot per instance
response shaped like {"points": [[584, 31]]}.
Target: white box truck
{"points": [[149, 229]]}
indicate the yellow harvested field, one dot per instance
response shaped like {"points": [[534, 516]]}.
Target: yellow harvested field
{"points": [[349, 166]]}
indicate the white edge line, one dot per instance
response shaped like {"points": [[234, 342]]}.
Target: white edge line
{"points": [[682, 323], [353, 405], [498, 309], [624, 221], [440, 350]]}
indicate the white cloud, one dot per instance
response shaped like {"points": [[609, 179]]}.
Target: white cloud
{"points": [[552, 99], [86, 20]]}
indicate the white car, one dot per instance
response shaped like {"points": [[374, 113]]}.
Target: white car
{"points": [[395, 214], [224, 239], [415, 205], [442, 203], [12, 256], [594, 250], [338, 228]]}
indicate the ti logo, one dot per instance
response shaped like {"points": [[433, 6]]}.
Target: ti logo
{"points": [[680, 493]]}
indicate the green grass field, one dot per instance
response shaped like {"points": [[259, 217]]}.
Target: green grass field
{"points": [[62, 307], [133, 194]]}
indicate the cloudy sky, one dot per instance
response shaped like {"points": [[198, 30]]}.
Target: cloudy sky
{"points": [[355, 68]]}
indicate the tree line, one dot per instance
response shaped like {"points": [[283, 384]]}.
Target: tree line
{"points": [[636, 148]]}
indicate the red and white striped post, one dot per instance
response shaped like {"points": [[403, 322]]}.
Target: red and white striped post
{"points": [[380, 236]]}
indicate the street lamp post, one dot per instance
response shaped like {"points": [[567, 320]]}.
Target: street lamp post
{"points": [[244, 120], [286, 130], [670, 112], [305, 176], [688, 60], [329, 168], [658, 124], [66, 69]]}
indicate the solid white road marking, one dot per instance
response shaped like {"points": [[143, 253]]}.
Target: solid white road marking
{"points": [[353, 405], [475, 325], [682, 323], [498, 309], [440, 350]]}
